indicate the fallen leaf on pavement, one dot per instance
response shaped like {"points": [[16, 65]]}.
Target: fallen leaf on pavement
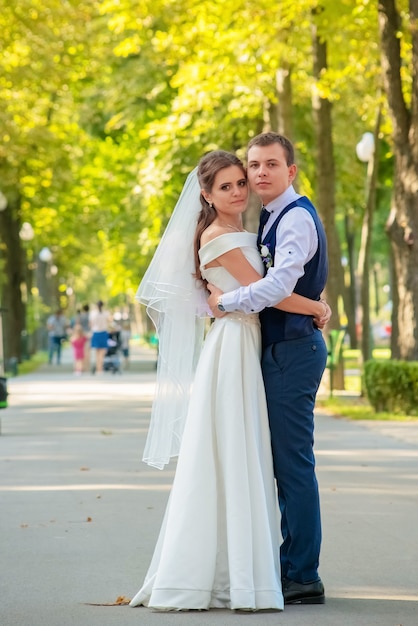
{"points": [[120, 601]]}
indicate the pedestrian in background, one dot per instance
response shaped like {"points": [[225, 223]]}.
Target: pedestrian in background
{"points": [[99, 325], [84, 320], [78, 342], [125, 337], [57, 325]]}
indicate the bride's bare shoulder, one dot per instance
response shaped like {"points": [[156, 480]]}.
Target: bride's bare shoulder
{"points": [[212, 232]]}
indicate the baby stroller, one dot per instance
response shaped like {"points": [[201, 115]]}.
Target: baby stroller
{"points": [[112, 362]]}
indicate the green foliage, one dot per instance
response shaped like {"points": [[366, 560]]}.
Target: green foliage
{"points": [[31, 365], [107, 105], [392, 385]]}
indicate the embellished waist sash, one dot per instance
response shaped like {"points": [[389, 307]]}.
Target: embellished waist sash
{"points": [[239, 316]]}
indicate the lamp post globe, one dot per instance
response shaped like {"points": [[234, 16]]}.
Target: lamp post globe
{"points": [[3, 201], [26, 232], [365, 147], [45, 255]]}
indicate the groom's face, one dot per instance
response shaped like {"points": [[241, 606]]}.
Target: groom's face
{"points": [[269, 175]]}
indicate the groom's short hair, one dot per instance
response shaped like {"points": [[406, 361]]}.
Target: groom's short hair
{"points": [[266, 139]]}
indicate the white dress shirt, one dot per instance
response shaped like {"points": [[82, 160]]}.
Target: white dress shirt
{"points": [[296, 244]]}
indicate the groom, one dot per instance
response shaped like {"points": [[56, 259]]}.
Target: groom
{"points": [[294, 353]]}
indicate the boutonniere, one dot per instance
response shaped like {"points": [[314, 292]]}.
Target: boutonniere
{"points": [[266, 255]]}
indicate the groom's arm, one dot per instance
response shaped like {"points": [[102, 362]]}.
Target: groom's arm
{"points": [[267, 291], [278, 284], [297, 243]]}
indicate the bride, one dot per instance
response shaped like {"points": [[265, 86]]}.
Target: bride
{"points": [[220, 537]]}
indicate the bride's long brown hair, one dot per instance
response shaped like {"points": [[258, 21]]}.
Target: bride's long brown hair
{"points": [[208, 167]]}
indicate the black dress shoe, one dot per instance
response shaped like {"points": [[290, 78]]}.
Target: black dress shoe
{"points": [[297, 593]]}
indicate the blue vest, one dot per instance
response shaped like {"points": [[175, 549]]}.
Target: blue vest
{"points": [[278, 325]]}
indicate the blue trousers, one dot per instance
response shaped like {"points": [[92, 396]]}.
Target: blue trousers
{"points": [[292, 372], [55, 344]]}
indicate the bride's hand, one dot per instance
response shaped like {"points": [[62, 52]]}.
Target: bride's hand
{"points": [[325, 317]]}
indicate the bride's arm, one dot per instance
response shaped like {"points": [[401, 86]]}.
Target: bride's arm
{"points": [[319, 309]]}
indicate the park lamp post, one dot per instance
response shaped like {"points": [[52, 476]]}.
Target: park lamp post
{"points": [[26, 234], [365, 150], [44, 274], [45, 256]]}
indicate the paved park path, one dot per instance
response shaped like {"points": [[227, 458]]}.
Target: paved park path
{"points": [[80, 512]]}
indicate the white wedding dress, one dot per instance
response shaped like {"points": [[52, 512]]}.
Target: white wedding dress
{"points": [[220, 538]]}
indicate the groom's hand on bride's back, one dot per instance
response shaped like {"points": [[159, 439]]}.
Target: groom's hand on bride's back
{"points": [[214, 294]]}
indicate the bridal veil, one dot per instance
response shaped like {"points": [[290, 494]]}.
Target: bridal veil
{"points": [[177, 306]]}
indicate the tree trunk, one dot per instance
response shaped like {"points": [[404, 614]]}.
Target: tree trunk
{"points": [[402, 225], [279, 115], [351, 301], [280, 120], [14, 314], [285, 106], [326, 194]]}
